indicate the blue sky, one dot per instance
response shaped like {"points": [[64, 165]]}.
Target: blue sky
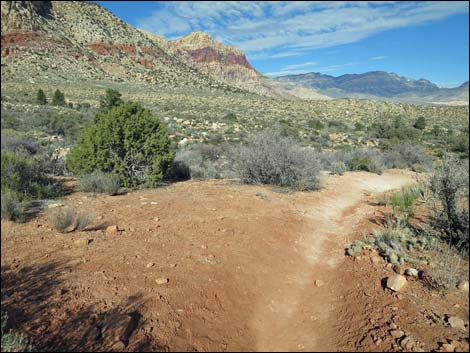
{"points": [[422, 39]]}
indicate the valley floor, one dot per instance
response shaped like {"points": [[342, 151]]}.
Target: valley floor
{"points": [[215, 265]]}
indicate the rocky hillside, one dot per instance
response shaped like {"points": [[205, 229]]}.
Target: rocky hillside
{"points": [[76, 41], [377, 84], [81, 41]]}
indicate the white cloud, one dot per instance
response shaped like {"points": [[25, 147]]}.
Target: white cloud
{"points": [[286, 71], [381, 57], [298, 66], [280, 27]]}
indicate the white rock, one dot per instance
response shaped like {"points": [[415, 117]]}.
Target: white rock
{"points": [[396, 282], [456, 322], [412, 272], [162, 280], [463, 285]]}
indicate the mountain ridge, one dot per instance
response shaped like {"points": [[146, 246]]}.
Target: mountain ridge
{"points": [[376, 84]]}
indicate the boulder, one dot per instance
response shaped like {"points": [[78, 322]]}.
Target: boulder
{"points": [[396, 282]]}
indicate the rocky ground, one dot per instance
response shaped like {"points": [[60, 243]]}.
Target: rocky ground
{"points": [[216, 265]]}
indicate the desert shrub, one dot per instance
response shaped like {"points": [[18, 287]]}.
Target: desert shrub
{"points": [[397, 129], [450, 186], [11, 207], [24, 175], [397, 244], [420, 123], [230, 117], [41, 97], [459, 143], [382, 198], [128, 141], [270, 158], [446, 267], [84, 219], [111, 99], [337, 125], [11, 340], [404, 203], [315, 124], [332, 162], [47, 154], [201, 162], [358, 126], [52, 158], [99, 182], [18, 142], [58, 99], [61, 218], [179, 171], [365, 159], [406, 155], [64, 122]]}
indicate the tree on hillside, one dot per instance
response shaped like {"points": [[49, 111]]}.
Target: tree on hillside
{"points": [[126, 140], [111, 99], [58, 99], [41, 97], [420, 123]]}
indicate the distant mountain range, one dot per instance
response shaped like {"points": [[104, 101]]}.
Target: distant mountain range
{"points": [[378, 85], [78, 41]]}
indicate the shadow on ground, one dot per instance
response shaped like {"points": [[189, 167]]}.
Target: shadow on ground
{"points": [[39, 306]]}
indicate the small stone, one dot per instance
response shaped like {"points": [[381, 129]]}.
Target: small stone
{"points": [[456, 322], [463, 285], [112, 230], [83, 241], [162, 280], [55, 205], [393, 326], [396, 282], [375, 259], [407, 343], [118, 346], [412, 272], [447, 347], [156, 219], [397, 333], [150, 264], [319, 283], [378, 341]]}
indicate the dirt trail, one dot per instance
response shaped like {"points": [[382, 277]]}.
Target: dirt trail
{"points": [[243, 264], [298, 315]]}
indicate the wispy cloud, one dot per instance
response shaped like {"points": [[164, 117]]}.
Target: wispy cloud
{"points": [[285, 73], [291, 69], [298, 66], [377, 57], [291, 28]]}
